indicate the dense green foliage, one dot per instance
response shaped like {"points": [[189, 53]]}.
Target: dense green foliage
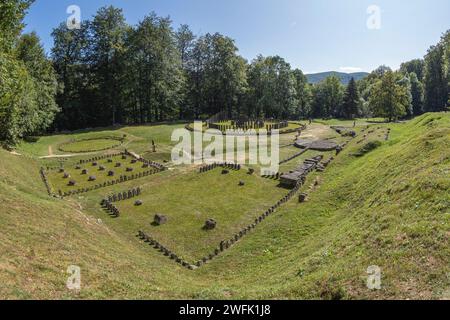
{"points": [[30, 51], [11, 15], [272, 88], [151, 72], [27, 79], [216, 76], [109, 73], [351, 101], [417, 66], [437, 75], [389, 98], [328, 97], [416, 94]]}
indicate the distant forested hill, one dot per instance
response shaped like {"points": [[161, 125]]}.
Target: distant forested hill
{"points": [[345, 77]]}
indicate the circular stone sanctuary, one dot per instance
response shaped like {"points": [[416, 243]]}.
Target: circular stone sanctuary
{"points": [[243, 125], [90, 145], [317, 145]]}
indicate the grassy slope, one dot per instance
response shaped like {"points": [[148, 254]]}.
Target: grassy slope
{"points": [[390, 208]]}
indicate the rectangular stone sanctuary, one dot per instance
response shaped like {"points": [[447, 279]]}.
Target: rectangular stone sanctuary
{"points": [[290, 180]]}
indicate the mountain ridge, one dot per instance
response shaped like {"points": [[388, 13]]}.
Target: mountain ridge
{"points": [[314, 78]]}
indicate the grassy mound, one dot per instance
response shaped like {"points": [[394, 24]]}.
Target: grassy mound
{"points": [[389, 208]]}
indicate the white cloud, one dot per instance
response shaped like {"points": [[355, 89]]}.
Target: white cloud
{"points": [[350, 69], [293, 24]]}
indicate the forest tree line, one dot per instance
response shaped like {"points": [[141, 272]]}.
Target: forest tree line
{"points": [[109, 72]]}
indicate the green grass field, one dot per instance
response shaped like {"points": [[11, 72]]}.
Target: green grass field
{"points": [[389, 207], [188, 204], [90, 145]]}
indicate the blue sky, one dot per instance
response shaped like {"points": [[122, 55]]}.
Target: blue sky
{"points": [[313, 35]]}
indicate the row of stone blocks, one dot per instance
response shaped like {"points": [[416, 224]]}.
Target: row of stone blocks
{"points": [[342, 146], [208, 167], [108, 202], [271, 175], [45, 179], [321, 166], [168, 253], [106, 156], [108, 183], [153, 164], [111, 208], [124, 156], [124, 195], [226, 244]]}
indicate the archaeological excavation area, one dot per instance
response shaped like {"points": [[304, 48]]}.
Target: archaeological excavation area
{"points": [[192, 214]]}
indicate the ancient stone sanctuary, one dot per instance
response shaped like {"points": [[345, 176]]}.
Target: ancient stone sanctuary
{"points": [[241, 125], [98, 172], [291, 179], [145, 158], [247, 124], [102, 171], [319, 145]]}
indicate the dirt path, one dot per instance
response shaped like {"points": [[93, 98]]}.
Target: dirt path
{"points": [[55, 156]]}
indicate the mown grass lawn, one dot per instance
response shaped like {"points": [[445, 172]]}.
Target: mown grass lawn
{"points": [[189, 200]]}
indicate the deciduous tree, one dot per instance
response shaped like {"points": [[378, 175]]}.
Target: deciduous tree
{"points": [[388, 98]]}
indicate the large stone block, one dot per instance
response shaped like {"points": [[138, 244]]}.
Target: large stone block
{"points": [[160, 219], [210, 224]]}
